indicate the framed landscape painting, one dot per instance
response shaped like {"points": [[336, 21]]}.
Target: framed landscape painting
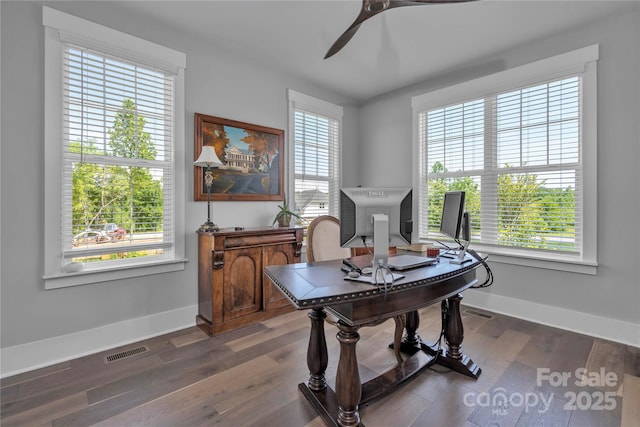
{"points": [[253, 169]]}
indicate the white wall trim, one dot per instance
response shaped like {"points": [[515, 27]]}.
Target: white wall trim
{"points": [[38, 354], [72, 29], [315, 105], [558, 317], [576, 61]]}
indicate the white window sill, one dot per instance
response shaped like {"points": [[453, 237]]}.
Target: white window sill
{"points": [[66, 279], [549, 261]]}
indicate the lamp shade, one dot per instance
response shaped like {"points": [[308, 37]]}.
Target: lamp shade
{"points": [[208, 158]]}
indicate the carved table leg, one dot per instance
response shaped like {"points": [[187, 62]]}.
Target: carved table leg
{"points": [[317, 358], [454, 334], [348, 385], [412, 324], [453, 330]]}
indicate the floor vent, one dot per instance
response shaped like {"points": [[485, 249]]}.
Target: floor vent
{"points": [[477, 313], [125, 354]]}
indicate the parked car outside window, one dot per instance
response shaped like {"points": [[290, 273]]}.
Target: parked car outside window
{"points": [[114, 231], [90, 236]]}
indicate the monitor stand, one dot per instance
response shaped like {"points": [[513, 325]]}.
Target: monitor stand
{"points": [[461, 257], [380, 242]]}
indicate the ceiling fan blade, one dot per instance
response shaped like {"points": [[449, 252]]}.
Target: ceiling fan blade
{"points": [[366, 12], [342, 41], [371, 8], [427, 2]]}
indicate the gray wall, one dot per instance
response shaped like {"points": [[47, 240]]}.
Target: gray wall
{"points": [[218, 83], [223, 83], [615, 291]]}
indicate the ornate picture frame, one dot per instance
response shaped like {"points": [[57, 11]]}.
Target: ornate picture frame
{"points": [[253, 167]]}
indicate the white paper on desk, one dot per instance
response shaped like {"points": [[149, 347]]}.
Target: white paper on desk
{"points": [[388, 278]]}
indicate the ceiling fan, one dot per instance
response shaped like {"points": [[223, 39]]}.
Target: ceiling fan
{"points": [[371, 8]]}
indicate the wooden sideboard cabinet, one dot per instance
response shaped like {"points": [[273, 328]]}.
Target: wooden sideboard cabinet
{"points": [[232, 288]]}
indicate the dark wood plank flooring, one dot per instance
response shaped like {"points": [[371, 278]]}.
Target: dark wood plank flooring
{"points": [[249, 377]]}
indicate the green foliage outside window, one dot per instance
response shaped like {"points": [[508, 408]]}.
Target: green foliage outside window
{"points": [[529, 213], [129, 196]]}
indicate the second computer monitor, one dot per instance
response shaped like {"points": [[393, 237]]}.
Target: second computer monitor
{"points": [[453, 214]]}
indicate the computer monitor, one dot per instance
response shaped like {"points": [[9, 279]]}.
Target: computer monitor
{"points": [[455, 221], [452, 214], [375, 217]]}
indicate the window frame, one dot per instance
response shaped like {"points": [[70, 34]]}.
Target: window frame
{"points": [[59, 28], [310, 104], [581, 61]]}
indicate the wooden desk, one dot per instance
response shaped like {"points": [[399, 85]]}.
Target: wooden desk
{"points": [[321, 286]]}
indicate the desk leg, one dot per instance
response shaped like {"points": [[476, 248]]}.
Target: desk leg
{"points": [[317, 358], [348, 385], [411, 343], [453, 329], [454, 333], [412, 323]]}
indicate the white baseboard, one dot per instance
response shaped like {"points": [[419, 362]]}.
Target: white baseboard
{"points": [[38, 354], [558, 317]]}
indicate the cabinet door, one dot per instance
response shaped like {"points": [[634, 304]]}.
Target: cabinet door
{"points": [[276, 255], [242, 294]]}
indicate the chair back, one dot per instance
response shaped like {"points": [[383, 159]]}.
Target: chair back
{"points": [[323, 240]]}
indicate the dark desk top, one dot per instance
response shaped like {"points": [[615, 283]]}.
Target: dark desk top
{"points": [[320, 284]]}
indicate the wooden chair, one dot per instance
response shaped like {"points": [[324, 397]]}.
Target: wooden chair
{"points": [[323, 240]]}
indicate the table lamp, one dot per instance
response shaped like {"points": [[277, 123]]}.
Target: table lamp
{"points": [[208, 159]]}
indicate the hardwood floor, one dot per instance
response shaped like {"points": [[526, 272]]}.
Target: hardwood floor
{"points": [[249, 377]]}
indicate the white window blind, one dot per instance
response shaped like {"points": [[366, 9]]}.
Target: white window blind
{"points": [[517, 155], [316, 155], [316, 152], [522, 152], [118, 158]]}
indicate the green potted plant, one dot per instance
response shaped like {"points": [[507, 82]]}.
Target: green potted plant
{"points": [[284, 215]]}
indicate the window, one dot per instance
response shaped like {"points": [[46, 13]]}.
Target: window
{"points": [[522, 145], [114, 207], [315, 132]]}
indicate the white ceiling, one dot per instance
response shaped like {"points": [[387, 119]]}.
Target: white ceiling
{"points": [[394, 49]]}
